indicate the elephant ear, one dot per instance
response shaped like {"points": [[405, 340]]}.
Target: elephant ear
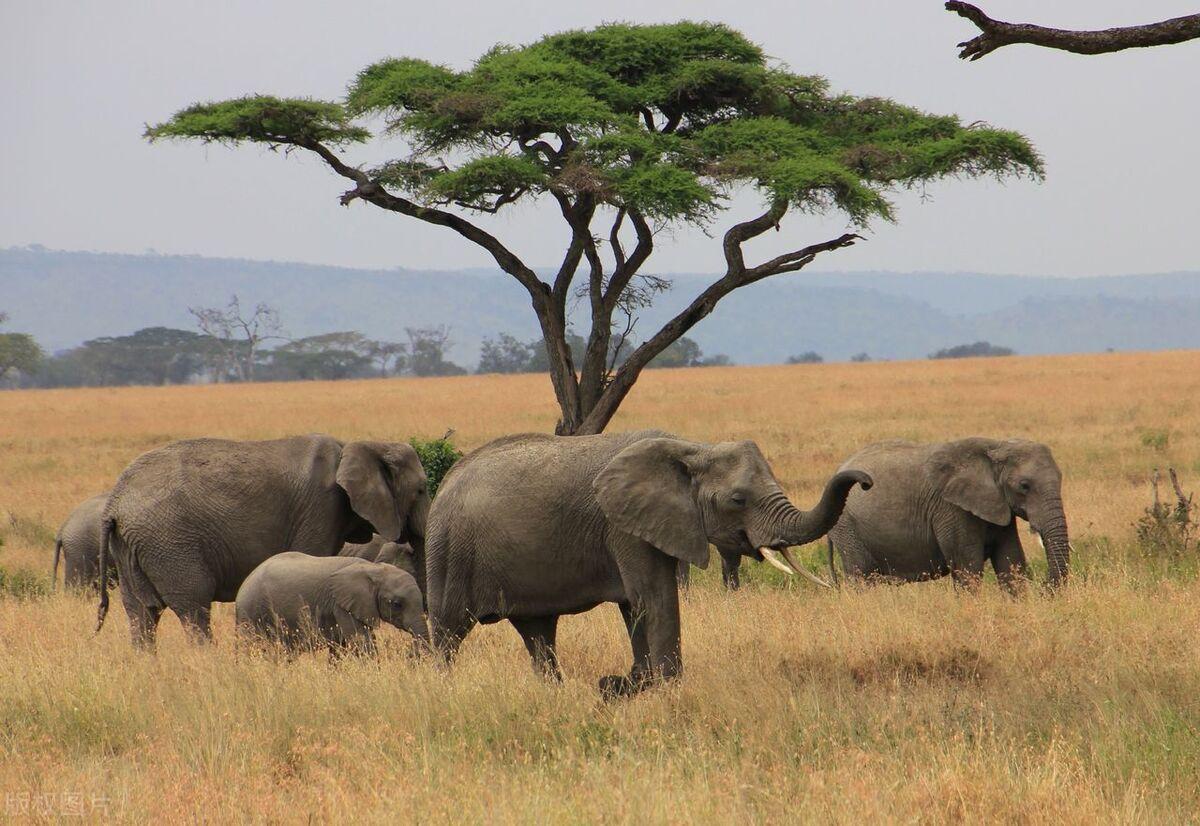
{"points": [[969, 482], [354, 590], [383, 481], [646, 490]]}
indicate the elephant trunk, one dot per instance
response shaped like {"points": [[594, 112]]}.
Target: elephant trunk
{"points": [[802, 527], [792, 526], [1054, 536]]}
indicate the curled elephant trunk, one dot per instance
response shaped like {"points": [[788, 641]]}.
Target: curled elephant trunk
{"points": [[801, 527], [797, 527]]}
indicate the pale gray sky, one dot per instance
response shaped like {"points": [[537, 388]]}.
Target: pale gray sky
{"points": [[78, 81]]}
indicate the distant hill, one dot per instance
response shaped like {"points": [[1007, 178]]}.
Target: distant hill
{"points": [[64, 298]]}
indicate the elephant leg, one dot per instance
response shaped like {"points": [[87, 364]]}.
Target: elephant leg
{"points": [[143, 607], [447, 633], [653, 611], [962, 542], [857, 563], [538, 633], [639, 642], [188, 588], [683, 574], [143, 623], [196, 618], [1008, 560], [731, 571]]}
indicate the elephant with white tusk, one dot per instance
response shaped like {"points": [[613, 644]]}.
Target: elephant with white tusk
{"points": [[531, 527], [950, 508]]}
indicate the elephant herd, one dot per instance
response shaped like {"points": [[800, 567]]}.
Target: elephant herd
{"points": [[317, 541]]}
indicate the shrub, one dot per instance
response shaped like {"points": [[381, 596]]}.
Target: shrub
{"points": [[976, 350], [437, 457], [22, 584]]}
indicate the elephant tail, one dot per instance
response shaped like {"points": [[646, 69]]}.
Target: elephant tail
{"points": [[833, 574], [54, 565], [107, 530]]}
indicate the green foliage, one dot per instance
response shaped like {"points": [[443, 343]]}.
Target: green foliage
{"points": [[665, 120], [490, 176], [1169, 529], [22, 584], [262, 119], [437, 457], [19, 353], [1155, 438]]}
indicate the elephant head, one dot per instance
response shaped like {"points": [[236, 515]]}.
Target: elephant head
{"points": [[679, 496], [372, 591], [996, 480], [385, 484]]}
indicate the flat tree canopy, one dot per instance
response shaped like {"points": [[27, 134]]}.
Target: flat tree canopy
{"points": [[627, 130]]}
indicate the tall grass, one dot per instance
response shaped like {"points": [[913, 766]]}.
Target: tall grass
{"points": [[889, 704]]}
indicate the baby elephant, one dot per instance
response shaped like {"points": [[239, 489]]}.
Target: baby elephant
{"points": [[301, 601]]}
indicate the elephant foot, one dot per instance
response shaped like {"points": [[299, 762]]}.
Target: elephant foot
{"points": [[617, 686]]}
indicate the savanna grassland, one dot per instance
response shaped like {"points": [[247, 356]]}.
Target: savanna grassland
{"points": [[910, 704]]}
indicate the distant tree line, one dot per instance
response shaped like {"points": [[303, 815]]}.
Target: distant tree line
{"points": [[237, 344]]}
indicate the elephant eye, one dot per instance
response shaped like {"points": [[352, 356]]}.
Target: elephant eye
{"points": [[1025, 485], [738, 499]]}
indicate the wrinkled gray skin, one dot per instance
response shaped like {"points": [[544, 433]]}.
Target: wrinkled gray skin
{"points": [[948, 508], [400, 554], [300, 600], [188, 522], [78, 544], [531, 527]]}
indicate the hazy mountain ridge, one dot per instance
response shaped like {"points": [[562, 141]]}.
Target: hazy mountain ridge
{"points": [[64, 298]]}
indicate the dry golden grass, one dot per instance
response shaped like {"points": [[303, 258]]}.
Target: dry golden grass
{"points": [[894, 704]]}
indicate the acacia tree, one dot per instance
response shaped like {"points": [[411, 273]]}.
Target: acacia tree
{"points": [[238, 335], [997, 33], [626, 129]]}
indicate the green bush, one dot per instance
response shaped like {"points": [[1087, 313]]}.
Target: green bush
{"points": [[437, 457], [22, 584]]}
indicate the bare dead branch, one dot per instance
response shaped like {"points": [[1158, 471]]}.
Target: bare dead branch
{"points": [[997, 33]]}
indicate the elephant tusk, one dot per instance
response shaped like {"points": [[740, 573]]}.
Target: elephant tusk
{"points": [[804, 572], [1040, 542], [774, 560]]}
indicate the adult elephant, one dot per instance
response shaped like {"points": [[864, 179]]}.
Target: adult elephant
{"points": [[949, 508], [531, 527], [187, 522], [78, 544]]}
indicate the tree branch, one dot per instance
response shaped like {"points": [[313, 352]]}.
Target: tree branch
{"points": [[606, 406], [738, 234], [792, 261], [997, 33], [629, 267], [374, 193]]}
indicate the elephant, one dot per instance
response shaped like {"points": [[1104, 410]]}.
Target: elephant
{"points": [[400, 554], [298, 600], [187, 522], [948, 508], [78, 545], [530, 527], [731, 577]]}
